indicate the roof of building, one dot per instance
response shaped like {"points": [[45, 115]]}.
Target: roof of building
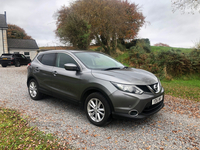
{"points": [[3, 23], [22, 44]]}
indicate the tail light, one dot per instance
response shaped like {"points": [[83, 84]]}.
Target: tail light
{"points": [[28, 65]]}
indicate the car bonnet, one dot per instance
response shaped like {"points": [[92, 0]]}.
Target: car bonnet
{"points": [[126, 76]]}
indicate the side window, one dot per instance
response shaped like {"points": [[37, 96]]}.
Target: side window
{"points": [[48, 59], [23, 56], [18, 56], [40, 58], [62, 59]]}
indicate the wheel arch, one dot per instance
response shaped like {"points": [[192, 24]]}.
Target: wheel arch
{"points": [[89, 91], [29, 79]]}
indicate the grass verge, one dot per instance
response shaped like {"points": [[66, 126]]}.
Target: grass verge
{"points": [[16, 134], [186, 89]]}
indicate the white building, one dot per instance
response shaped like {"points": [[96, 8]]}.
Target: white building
{"points": [[28, 47], [3, 34]]}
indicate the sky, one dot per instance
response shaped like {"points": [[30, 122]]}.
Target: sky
{"points": [[163, 25]]}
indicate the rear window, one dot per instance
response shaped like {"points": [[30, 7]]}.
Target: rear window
{"points": [[6, 55]]}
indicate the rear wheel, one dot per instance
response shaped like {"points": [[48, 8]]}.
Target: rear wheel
{"points": [[97, 109], [3, 65], [17, 64], [33, 90]]}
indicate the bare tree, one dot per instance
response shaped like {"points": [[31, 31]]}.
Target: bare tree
{"points": [[186, 5]]}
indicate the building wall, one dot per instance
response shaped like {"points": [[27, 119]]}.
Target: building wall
{"points": [[3, 41], [32, 52]]}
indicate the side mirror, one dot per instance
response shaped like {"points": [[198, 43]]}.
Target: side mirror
{"points": [[71, 67]]}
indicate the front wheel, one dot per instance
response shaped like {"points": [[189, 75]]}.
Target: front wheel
{"points": [[97, 109], [33, 90]]}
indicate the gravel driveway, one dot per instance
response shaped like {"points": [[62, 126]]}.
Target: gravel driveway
{"points": [[176, 126]]}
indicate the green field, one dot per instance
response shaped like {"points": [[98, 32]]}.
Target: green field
{"points": [[160, 48], [186, 89]]}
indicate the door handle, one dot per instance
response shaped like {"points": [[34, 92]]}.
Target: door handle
{"points": [[55, 73], [37, 69]]}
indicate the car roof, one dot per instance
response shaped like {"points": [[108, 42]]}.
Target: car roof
{"points": [[7, 54], [70, 51]]}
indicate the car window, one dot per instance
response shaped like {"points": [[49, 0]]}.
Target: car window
{"points": [[23, 56], [39, 57], [98, 60], [18, 55], [63, 58], [48, 59]]}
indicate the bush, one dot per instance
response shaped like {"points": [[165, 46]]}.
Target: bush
{"points": [[121, 47], [99, 49], [144, 42], [195, 60], [166, 64], [139, 58], [176, 64]]}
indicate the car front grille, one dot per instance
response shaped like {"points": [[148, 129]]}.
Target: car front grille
{"points": [[144, 88], [153, 88]]}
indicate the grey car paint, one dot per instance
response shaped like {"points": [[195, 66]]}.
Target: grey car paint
{"points": [[74, 85]]}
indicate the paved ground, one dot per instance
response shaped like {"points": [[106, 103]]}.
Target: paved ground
{"points": [[177, 126]]}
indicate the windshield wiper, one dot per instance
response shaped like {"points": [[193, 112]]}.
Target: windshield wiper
{"points": [[112, 68], [125, 67]]}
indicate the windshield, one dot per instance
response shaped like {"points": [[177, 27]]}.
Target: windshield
{"points": [[98, 61]]}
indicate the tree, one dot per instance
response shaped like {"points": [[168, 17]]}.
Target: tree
{"points": [[73, 28], [183, 5], [108, 21], [15, 32]]}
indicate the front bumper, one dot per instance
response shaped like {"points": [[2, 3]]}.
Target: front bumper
{"points": [[142, 115], [124, 103]]}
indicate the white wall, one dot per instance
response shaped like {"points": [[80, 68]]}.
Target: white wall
{"points": [[5, 41], [1, 42]]}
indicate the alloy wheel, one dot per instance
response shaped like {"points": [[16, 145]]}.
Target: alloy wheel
{"points": [[33, 89], [95, 110]]}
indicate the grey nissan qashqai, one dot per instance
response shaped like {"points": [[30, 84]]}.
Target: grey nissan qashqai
{"points": [[104, 87]]}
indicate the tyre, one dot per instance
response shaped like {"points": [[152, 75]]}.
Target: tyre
{"points": [[97, 109], [3, 65], [33, 90], [17, 64]]}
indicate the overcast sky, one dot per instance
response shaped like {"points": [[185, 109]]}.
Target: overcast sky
{"points": [[174, 29]]}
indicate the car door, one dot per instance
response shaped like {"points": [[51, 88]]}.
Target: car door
{"points": [[24, 60], [43, 71], [67, 83]]}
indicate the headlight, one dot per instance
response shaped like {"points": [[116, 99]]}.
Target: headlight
{"points": [[128, 88]]}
